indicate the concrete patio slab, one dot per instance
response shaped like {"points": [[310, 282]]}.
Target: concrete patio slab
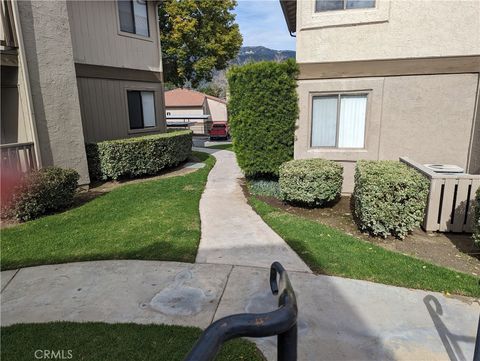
{"points": [[116, 291], [6, 277], [344, 319], [232, 233]]}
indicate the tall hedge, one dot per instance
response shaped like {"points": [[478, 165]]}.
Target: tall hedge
{"points": [[263, 108], [139, 156], [390, 197], [476, 225]]}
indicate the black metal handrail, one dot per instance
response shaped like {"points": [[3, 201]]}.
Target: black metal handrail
{"points": [[281, 322]]}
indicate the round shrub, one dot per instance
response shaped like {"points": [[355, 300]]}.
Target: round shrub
{"points": [[313, 182], [390, 197], [262, 109], [44, 191]]}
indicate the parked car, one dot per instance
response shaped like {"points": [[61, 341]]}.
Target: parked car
{"points": [[219, 130]]}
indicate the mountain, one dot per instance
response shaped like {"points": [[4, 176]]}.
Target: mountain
{"points": [[261, 53]]}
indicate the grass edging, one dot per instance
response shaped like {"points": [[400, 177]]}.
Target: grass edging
{"points": [[227, 146], [95, 341], [332, 252], [151, 220]]}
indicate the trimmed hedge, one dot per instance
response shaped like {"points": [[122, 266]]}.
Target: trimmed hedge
{"points": [[313, 182], [139, 156], [390, 197], [263, 108], [42, 192], [476, 225]]}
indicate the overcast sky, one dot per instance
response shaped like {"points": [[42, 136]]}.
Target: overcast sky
{"points": [[262, 23]]}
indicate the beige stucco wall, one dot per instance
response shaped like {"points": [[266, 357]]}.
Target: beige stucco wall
{"points": [[218, 110], [428, 118], [474, 161], [394, 29], [49, 54], [97, 38], [105, 109]]}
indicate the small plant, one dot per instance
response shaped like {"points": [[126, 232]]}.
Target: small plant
{"points": [[263, 108], [261, 187], [312, 182], [476, 225], [390, 197], [41, 192], [139, 156]]}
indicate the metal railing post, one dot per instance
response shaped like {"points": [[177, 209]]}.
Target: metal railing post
{"points": [[281, 322]]}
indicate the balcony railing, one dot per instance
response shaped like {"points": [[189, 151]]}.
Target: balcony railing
{"points": [[19, 157]]}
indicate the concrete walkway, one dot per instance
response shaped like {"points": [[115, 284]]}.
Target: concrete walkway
{"points": [[339, 319], [232, 233]]}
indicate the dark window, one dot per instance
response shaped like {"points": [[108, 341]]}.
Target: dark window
{"points": [[133, 16], [328, 5], [141, 109]]}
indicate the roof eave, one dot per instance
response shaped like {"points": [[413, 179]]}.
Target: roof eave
{"points": [[289, 8]]}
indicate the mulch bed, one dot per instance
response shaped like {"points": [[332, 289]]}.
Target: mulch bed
{"points": [[455, 251]]}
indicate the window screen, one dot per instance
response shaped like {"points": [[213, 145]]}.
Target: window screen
{"points": [[339, 120], [141, 109], [133, 16]]}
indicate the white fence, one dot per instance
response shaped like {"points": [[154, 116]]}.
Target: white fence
{"points": [[451, 200]]}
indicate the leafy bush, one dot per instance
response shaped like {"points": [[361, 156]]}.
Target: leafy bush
{"points": [[390, 197], [262, 187], [133, 157], [262, 113], [476, 225], [313, 182], [43, 191]]}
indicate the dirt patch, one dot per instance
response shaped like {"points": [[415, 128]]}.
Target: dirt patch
{"points": [[455, 251]]}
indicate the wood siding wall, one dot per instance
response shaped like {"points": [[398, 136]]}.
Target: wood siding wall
{"points": [[104, 108], [97, 39]]}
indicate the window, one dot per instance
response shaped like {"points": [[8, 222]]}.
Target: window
{"points": [[133, 16], [339, 120], [141, 109], [327, 5]]}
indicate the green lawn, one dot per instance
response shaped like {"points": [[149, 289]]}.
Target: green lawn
{"points": [[329, 251], [154, 220], [112, 342], [222, 146]]}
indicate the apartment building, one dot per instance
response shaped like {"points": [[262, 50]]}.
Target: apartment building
{"points": [[380, 79], [75, 72]]}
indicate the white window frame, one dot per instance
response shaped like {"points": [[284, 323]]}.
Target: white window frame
{"points": [[338, 95], [344, 7]]}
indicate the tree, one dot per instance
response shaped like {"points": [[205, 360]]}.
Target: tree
{"points": [[198, 37], [212, 89]]}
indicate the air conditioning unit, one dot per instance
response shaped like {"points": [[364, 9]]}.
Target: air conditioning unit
{"points": [[445, 168]]}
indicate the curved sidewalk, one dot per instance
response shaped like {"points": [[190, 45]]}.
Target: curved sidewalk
{"points": [[232, 233], [339, 319]]}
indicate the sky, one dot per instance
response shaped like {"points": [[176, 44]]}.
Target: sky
{"points": [[262, 23]]}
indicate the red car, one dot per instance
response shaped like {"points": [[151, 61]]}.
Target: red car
{"points": [[219, 130]]}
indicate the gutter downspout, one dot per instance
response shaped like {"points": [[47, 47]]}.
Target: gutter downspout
{"points": [[23, 67]]}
